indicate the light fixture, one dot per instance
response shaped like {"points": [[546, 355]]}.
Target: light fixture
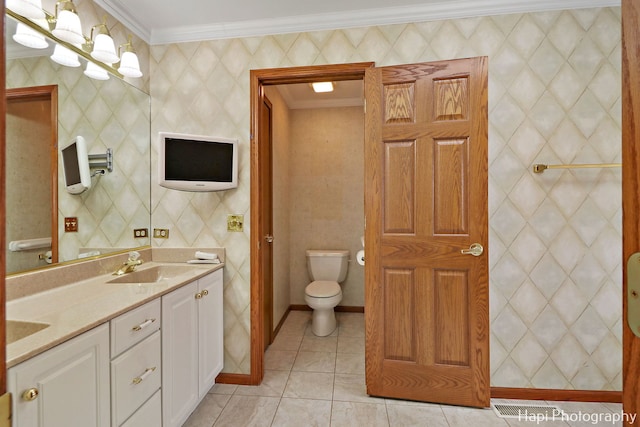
{"points": [[31, 9], [104, 50], [64, 56], [129, 64], [29, 38], [96, 72], [68, 27], [99, 49], [320, 87]]}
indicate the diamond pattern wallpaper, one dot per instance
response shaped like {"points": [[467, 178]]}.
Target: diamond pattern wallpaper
{"points": [[555, 238]]}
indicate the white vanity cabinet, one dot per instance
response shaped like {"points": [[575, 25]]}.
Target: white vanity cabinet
{"points": [[192, 346], [66, 386], [136, 366]]}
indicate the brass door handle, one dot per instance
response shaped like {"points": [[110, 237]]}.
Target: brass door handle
{"points": [[475, 249], [30, 394]]}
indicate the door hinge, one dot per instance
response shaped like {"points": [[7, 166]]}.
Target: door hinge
{"points": [[5, 410]]}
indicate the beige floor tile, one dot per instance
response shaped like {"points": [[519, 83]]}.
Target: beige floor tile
{"points": [[347, 363], [359, 414], [255, 411], [307, 412], [286, 342], [223, 388], [416, 415], [314, 343], [208, 411], [315, 361], [309, 385], [354, 345], [272, 385], [280, 360], [462, 416], [352, 388]]}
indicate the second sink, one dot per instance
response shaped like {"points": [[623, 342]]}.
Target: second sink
{"points": [[153, 274], [18, 329]]}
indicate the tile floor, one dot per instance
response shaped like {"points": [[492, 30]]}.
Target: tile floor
{"points": [[313, 381]]}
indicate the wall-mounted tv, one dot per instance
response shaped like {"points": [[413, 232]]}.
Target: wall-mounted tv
{"points": [[197, 163], [75, 161]]}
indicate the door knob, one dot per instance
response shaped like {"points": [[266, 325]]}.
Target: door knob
{"points": [[268, 238], [475, 249]]}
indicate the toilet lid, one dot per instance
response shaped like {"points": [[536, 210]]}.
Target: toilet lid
{"points": [[322, 289]]}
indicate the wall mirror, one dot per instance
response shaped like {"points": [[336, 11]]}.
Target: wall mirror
{"points": [[107, 114]]}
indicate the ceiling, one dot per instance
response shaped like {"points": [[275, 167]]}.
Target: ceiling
{"points": [[170, 21]]}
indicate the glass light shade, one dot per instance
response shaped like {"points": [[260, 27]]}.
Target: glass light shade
{"points": [[96, 72], [104, 49], [129, 65], [64, 56], [29, 38], [31, 9], [68, 28]]}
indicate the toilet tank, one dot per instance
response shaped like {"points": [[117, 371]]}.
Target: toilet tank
{"points": [[327, 264]]}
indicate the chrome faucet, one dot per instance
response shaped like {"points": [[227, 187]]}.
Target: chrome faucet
{"points": [[130, 265]]}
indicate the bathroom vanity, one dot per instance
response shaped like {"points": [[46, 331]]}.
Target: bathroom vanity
{"points": [[141, 349]]}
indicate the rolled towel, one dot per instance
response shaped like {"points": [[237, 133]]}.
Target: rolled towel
{"points": [[206, 255]]}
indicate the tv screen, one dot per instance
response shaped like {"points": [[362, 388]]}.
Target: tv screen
{"points": [[197, 163]]}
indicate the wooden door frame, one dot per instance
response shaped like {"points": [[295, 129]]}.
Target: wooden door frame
{"points": [[630, 194], [259, 79], [3, 218], [47, 93]]}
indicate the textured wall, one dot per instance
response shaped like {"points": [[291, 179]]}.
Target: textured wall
{"points": [[28, 174], [327, 193], [554, 96]]}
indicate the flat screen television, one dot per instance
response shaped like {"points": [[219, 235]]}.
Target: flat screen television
{"points": [[197, 163], [75, 161]]}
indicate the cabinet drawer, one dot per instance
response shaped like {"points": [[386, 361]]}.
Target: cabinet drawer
{"points": [[134, 326], [135, 376], [150, 414]]}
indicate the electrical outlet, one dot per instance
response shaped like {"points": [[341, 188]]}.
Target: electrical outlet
{"points": [[70, 224], [160, 233], [235, 222], [140, 233]]}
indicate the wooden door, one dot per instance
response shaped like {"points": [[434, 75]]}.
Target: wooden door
{"points": [[630, 197], [426, 303], [266, 178]]}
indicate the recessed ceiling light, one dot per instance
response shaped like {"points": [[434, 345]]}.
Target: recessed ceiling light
{"points": [[319, 87]]}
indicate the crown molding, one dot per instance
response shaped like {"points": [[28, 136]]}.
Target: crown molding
{"points": [[115, 9], [340, 20]]}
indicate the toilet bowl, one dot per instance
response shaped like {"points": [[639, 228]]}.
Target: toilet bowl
{"points": [[322, 296], [327, 268]]}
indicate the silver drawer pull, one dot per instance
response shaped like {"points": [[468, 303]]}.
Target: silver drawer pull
{"points": [[143, 325], [147, 372]]}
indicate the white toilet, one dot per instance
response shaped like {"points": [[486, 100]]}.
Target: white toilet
{"points": [[327, 268]]}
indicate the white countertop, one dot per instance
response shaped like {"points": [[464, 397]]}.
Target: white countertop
{"points": [[75, 308]]}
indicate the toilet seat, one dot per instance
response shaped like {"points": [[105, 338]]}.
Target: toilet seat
{"points": [[323, 289]]}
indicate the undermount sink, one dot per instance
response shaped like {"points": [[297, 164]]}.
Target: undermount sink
{"points": [[18, 329], [152, 274]]}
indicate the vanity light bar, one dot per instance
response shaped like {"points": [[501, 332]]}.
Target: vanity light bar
{"points": [[69, 46]]}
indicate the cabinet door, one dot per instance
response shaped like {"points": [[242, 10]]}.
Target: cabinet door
{"points": [[210, 330], [72, 381], [179, 354]]}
